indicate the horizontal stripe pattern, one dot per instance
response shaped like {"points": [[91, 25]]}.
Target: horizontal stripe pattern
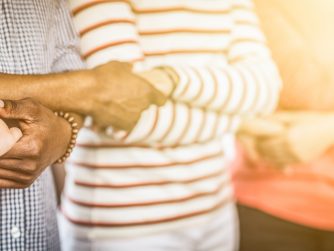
{"points": [[132, 216], [142, 195], [77, 231], [177, 169], [172, 168]]}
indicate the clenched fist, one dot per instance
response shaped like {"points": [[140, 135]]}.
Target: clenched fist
{"points": [[117, 96], [45, 139], [288, 138]]}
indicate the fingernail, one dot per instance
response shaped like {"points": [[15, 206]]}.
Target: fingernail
{"points": [[2, 104]]}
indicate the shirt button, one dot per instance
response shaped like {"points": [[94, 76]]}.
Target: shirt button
{"points": [[15, 232]]}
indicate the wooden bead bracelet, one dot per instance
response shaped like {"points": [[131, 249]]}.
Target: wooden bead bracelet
{"points": [[74, 126]]}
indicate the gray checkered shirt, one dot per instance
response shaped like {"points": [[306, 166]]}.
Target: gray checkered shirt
{"points": [[36, 37]]}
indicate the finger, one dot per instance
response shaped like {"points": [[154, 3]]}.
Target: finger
{"points": [[249, 145], [119, 64], [127, 65], [18, 177], [281, 159], [157, 97], [159, 80], [276, 151], [23, 149], [15, 109], [6, 184], [16, 165], [124, 64]]}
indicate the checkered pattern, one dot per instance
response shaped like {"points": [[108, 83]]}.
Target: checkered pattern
{"points": [[36, 37]]}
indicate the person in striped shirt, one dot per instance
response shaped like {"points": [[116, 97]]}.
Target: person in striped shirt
{"points": [[165, 185]]}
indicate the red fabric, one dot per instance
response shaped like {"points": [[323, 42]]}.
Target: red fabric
{"points": [[303, 194]]}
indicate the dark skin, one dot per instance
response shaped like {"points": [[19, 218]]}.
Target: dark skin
{"points": [[112, 94], [42, 143]]}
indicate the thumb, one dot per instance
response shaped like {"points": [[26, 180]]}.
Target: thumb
{"points": [[13, 109], [157, 97]]}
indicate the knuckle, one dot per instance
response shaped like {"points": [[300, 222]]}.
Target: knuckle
{"points": [[28, 182], [30, 102], [14, 186], [31, 167], [26, 179], [25, 185], [11, 106], [32, 106], [34, 110]]}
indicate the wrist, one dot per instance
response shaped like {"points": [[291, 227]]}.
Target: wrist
{"points": [[87, 88], [79, 99], [70, 133]]}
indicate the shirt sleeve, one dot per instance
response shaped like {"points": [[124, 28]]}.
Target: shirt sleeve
{"points": [[179, 124], [108, 31], [248, 84], [67, 45]]}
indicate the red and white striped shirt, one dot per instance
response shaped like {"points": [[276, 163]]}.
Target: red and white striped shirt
{"points": [[171, 170]]}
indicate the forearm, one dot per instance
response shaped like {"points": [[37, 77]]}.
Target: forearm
{"points": [[178, 124], [56, 91], [235, 89]]}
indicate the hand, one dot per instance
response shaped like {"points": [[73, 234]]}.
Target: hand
{"points": [[160, 80], [264, 141], [9, 136], [310, 137], [118, 96], [45, 139], [305, 137]]}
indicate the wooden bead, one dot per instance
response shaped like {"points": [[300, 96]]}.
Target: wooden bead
{"points": [[74, 135]]}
